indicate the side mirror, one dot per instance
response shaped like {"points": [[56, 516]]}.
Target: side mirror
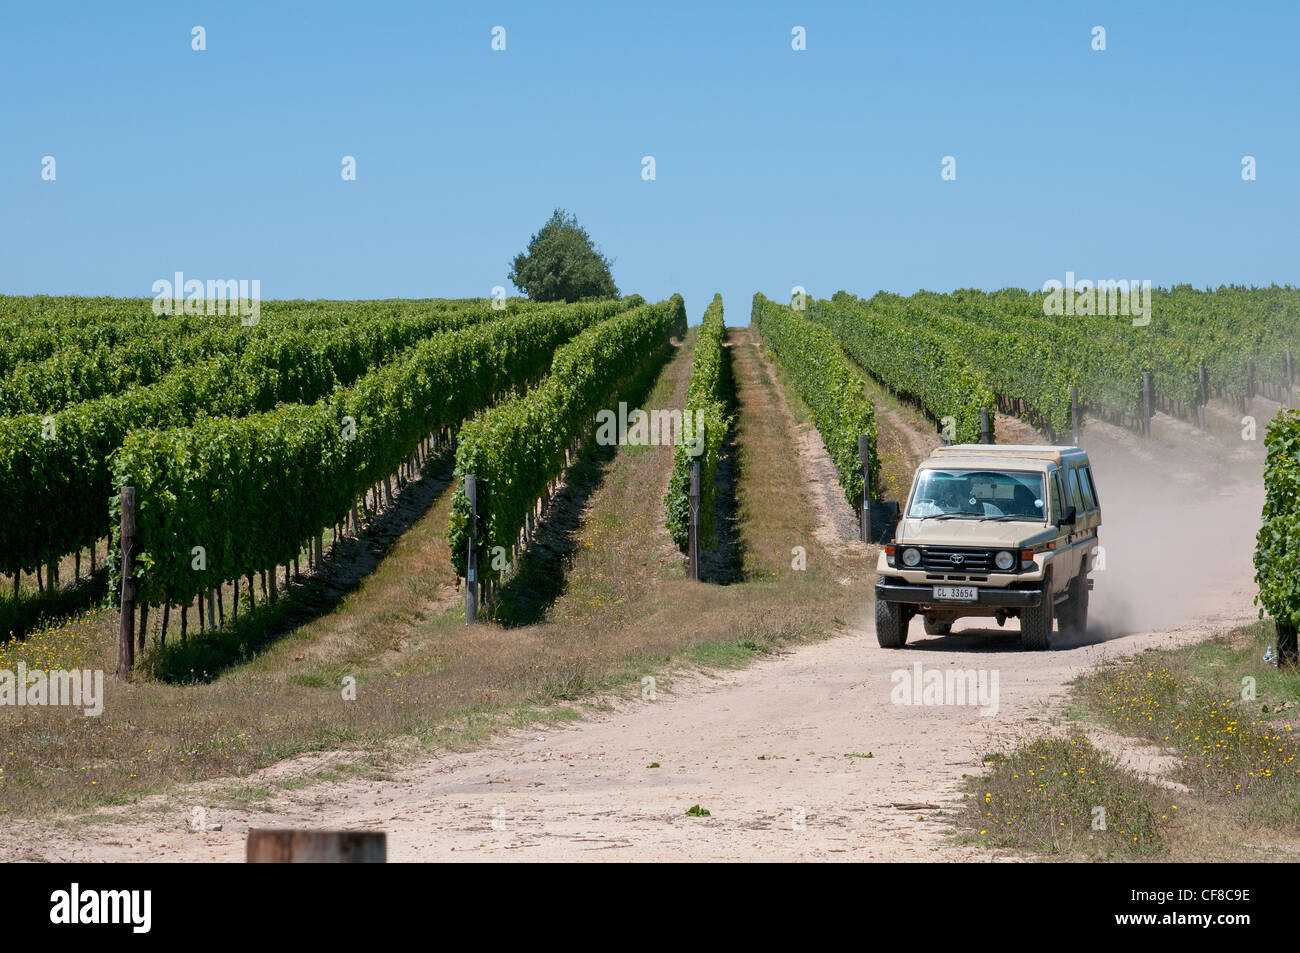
{"points": [[1068, 517]]}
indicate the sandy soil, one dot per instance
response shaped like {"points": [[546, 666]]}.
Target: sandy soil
{"points": [[770, 751], [774, 752]]}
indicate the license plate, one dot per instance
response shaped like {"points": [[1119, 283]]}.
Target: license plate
{"points": [[956, 593]]}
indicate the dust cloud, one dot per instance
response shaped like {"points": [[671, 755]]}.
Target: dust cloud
{"points": [[1178, 530]]}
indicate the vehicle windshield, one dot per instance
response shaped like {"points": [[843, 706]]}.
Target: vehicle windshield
{"points": [[1013, 495]]}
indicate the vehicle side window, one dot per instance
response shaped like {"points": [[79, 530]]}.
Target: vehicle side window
{"points": [[1056, 494], [1076, 499], [1089, 487], [1085, 485]]}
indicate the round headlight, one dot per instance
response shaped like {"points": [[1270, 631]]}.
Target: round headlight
{"points": [[1004, 560], [911, 556]]}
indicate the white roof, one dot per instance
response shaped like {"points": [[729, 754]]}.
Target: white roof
{"points": [[1000, 453]]}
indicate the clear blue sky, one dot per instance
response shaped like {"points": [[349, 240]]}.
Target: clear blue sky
{"points": [[775, 168]]}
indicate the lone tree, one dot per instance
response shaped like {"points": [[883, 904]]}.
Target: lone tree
{"points": [[562, 264]]}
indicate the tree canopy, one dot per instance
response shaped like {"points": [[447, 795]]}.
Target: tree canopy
{"points": [[562, 264]]}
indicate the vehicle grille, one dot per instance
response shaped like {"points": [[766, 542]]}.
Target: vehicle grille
{"points": [[939, 558]]}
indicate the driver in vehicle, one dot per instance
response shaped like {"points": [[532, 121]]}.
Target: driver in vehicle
{"points": [[947, 498]]}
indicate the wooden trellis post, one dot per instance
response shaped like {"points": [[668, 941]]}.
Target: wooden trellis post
{"points": [[1148, 399], [693, 547], [864, 458], [471, 561], [1290, 375], [1286, 646], [126, 621], [1203, 381]]}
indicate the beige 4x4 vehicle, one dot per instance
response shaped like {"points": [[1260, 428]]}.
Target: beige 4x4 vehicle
{"points": [[1000, 531]]}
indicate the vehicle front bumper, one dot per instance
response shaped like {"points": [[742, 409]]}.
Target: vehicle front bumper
{"points": [[888, 590]]}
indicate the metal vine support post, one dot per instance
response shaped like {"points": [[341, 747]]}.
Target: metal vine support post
{"points": [[126, 622], [471, 563], [864, 458], [694, 521]]}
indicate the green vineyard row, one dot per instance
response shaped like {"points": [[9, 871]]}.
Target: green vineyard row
{"points": [[1277, 553], [55, 470], [828, 383], [251, 491], [74, 374], [707, 396], [1105, 356], [1011, 364], [48, 323], [517, 448], [934, 348], [911, 359]]}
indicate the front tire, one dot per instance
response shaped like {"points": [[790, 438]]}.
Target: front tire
{"points": [[892, 619], [1036, 622]]}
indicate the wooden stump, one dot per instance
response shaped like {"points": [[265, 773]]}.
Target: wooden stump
{"points": [[1286, 646], [286, 846]]}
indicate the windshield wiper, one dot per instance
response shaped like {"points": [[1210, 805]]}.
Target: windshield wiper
{"points": [[957, 514]]}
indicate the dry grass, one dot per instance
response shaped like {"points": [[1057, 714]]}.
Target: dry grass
{"points": [[1239, 756], [422, 676], [1063, 797], [1228, 783]]}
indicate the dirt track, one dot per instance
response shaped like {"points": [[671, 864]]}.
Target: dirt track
{"points": [[761, 749]]}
